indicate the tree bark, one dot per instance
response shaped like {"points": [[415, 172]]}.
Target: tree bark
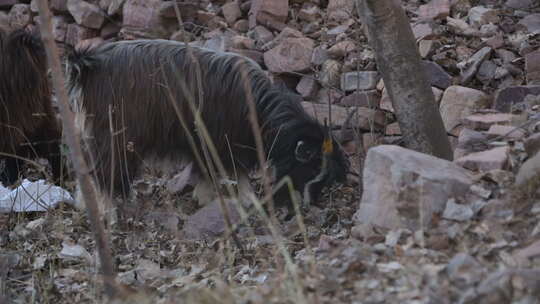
{"points": [[399, 62]]}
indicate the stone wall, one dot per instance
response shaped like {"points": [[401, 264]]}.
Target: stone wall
{"points": [[78, 21], [305, 44]]}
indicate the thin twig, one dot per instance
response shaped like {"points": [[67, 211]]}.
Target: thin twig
{"points": [[290, 265], [259, 144], [206, 141], [83, 177]]}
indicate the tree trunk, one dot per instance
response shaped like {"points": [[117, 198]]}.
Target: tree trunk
{"points": [[399, 62]]}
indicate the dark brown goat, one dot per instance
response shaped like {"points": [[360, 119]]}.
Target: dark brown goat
{"points": [[146, 84], [28, 127]]}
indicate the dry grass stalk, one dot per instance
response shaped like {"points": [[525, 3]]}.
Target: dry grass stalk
{"points": [[76, 156]]}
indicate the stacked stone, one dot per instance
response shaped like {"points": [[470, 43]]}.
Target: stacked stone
{"points": [[477, 58]]}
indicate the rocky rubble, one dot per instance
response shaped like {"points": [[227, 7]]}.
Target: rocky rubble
{"points": [[423, 230]]}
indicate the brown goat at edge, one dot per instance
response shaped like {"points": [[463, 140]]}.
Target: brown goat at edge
{"points": [[144, 82], [28, 126]]}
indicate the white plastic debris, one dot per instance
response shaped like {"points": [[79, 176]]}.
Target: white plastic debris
{"points": [[71, 251], [32, 196]]}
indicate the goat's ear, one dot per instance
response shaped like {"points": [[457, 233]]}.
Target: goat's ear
{"points": [[304, 152]]}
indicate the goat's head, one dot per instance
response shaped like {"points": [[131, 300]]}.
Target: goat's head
{"points": [[306, 152]]}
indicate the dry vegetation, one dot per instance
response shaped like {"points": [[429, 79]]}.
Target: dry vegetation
{"points": [[322, 257]]}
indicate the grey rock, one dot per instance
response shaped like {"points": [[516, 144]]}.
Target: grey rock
{"points": [[218, 43], [405, 189], [241, 26], [109, 30], [484, 161], [483, 121], [480, 15], [531, 22], [361, 80], [369, 99], [340, 10], [262, 35], [494, 288], [310, 13], [141, 18], [328, 96], [386, 102], [392, 129], [470, 141], [505, 132], [180, 181], [437, 76], [529, 173], [86, 14], [208, 223], [60, 6], [424, 30], [521, 4], [20, 16], [320, 55], [532, 144], [363, 118], [91, 43], [506, 98], [457, 212], [287, 32], [437, 9], [76, 33], [338, 30], [464, 269], [486, 72], [501, 73], [245, 6], [426, 47], [291, 55], [270, 13], [496, 41], [489, 30], [166, 9], [341, 49], [231, 12], [253, 54], [532, 67], [308, 87], [114, 7], [458, 102], [481, 192], [470, 66]]}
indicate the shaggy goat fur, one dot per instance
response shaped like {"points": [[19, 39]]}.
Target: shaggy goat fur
{"points": [[28, 126], [143, 82]]}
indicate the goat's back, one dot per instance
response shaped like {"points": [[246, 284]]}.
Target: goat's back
{"points": [[144, 89]]}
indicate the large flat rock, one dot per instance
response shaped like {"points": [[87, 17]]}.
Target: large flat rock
{"points": [[405, 189]]}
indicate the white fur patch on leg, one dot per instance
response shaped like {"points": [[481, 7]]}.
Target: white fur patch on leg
{"points": [[76, 100], [104, 203], [204, 192], [245, 190]]}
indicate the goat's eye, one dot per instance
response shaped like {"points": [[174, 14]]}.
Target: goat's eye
{"points": [[304, 152]]}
